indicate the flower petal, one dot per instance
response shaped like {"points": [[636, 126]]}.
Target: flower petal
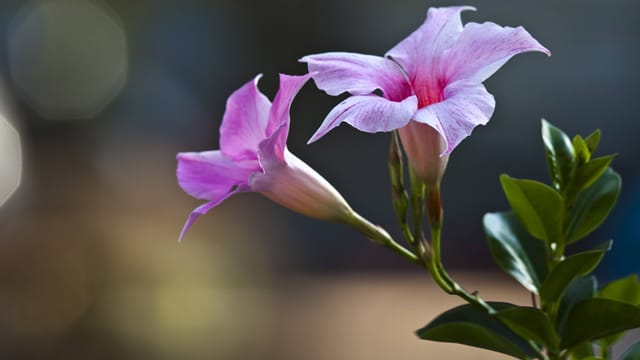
{"points": [[209, 175], [201, 210], [244, 122], [298, 187], [279, 116], [483, 48], [358, 74], [369, 113], [465, 106], [419, 51], [271, 151]]}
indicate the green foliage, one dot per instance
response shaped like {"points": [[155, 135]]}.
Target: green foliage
{"points": [[539, 207], [514, 250], [593, 141], [588, 173], [626, 290], [561, 158], [530, 323], [592, 206], [596, 318], [529, 243], [583, 351], [573, 313], [579, 289], [471, 325], [570, 268]]}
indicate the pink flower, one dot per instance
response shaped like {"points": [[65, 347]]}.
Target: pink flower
{"points": [[253, 156], [431, 85]]}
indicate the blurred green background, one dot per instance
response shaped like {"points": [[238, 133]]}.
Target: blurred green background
{"points": [[102, 95]]}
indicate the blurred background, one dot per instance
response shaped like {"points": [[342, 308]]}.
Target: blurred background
{"points": [[97, 97]]}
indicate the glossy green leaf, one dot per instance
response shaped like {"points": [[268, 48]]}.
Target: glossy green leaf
{"points": [[515, 251], [473, 326], [592, 206], [632, 353], [579, 289], [626, 290], [570, 268], [582, 351], [561, 158], [588, 173], [592, 141], [596, 318], [581, 150], [538, 206], [530, 323]]}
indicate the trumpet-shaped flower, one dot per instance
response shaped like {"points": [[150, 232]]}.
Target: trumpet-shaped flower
{"points": [[431, 85], [253, 156]]}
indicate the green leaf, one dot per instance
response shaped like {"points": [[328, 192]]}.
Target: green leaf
{"points": [[561, 158], [570, 268], [515, 251], [588, 173], [581, 150], [539, 207], [582, 351], [632, 353], [592, 206], [470, 325], [579, 289], [530, 323], [626, 290], [593, 140], [596, 318]]}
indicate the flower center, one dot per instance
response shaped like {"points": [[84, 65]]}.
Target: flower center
{"points": [[429, 92]]}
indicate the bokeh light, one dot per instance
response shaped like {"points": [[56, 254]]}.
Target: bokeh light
{"points": [[10, 160], [67, 57]]}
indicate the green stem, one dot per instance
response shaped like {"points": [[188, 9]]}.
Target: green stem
{"points": [[555, 256], [379, 236], [440, 275], [444, 280], [399, 196], [391, 244]]}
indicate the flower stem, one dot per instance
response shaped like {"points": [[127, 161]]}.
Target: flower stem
{"points": [[442, 277], [399, 196], [380, 236], [434, 262]]}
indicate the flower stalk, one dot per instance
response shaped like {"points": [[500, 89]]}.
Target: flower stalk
{"points": [[423, 197], [399, 196]]}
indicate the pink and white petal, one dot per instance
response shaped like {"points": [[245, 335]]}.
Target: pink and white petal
{"points": [[271, 151], [279, 115], [483, 48], [210, 174], [203, 209], [298, 187], [358, 74], [419, 51], [244, 122], [465, 106], [369, 113]]}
